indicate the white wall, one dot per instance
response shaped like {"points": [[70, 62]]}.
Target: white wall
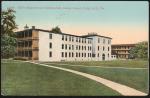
{"points": [[57, 48], [95, 50], [44, 46]]}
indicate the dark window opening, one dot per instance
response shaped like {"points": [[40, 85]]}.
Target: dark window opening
{"points": [[62, 54], [50, 45], [65, 54], [62, 37], [50, 36], [62, 46], [50, 54], [66, 46]]}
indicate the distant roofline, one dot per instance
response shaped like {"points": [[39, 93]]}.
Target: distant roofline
{"points": [[96, 35], [123, 44], [82, 36]]}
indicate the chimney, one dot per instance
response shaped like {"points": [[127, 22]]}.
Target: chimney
{"points": [[33, 27], [26, 27]]}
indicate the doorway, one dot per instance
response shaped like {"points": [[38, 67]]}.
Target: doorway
{"points": [[103, 57]]}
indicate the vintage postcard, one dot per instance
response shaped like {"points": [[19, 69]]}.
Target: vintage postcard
{"points": [[74, 48]]}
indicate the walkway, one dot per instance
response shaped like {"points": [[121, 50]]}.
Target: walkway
{"points": [[122, 89]]}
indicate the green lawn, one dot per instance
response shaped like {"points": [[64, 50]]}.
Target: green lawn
{"points": [[114, 63], [19, 78], [136, 78]]}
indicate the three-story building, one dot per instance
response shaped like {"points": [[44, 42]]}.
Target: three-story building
{"points": [[43, 45]]}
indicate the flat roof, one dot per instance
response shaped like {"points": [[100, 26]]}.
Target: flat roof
{"points": [[82, 36]]}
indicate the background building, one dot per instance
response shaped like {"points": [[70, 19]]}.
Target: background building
{"points": [[43, 45], [122, 50]]}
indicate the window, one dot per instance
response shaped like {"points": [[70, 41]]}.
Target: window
{"points": [[79, 47], [98, 47], [66, 38], [76, 47], [62, 46], [98, 40], [82, 40], [84, 54], [65, 54], [26, 34], [62, 54], [79, 54], [69, 54], [85, 40], [50, 36], [69, 47], [72, 47], [26, 43], [82, 47], [103, 41], [76, 54], [72, 54], [72, 38], [50, 54], [30, 43], [69, 38], [26, 53], [62, 37], [30, 53], [90, 48], [108, 55], [30, 33], [76, 39], [50, 45], [108, 48], [98, 55], [85, 47], [108, 41], [79, 40], [103, 48], [66, 46]]}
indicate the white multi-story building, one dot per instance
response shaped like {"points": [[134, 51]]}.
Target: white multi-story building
{"points": [[43, 45]]}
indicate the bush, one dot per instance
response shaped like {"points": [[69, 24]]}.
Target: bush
{"points": [[8, 46], [19, 58]]}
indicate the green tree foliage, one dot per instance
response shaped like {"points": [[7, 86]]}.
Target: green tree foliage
{"points": [[56, 30], [8, 46], [8, 40], [140, 50]]}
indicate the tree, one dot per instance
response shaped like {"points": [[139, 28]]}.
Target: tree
{"points": [[8, 23], [8, 46], [8, 40], [56, 30], [140, 50]]}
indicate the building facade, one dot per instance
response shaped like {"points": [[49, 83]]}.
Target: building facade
{"points": [[43, 45], [122, 50]]}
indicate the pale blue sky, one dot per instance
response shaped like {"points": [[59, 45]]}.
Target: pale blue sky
{"points": [[116, 14]]}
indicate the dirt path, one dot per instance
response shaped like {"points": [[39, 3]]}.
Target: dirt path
{"points": [[122, 89]]}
